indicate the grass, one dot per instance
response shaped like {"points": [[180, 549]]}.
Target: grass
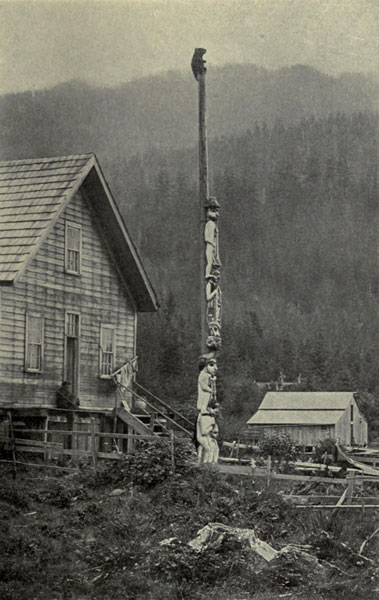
{"points": [[67, 538]]}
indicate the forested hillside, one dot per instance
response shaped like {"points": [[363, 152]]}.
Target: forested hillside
{"points": [[293, 162], [299, 241]]}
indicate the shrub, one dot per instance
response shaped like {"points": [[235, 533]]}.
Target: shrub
{"points": [[280, 447], [328, 445], [148, 465]]}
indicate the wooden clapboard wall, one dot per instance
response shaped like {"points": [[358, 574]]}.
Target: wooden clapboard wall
{"points": [[98, 294]]}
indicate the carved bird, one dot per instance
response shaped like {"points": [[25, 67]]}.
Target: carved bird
{"points": [[198, 63]]}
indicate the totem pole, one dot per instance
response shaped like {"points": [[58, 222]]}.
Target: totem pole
{"points": [[210, 292]]}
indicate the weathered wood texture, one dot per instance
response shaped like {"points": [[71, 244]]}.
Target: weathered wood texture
{"points": [[31, 192], [98, 294], [309, 417], [352, 428]]}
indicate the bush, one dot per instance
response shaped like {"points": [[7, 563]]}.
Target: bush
{"points": [[148, 465], [280, 447], [328, 445]]}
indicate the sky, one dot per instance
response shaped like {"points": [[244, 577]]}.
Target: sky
{"points": [[111, 42]]}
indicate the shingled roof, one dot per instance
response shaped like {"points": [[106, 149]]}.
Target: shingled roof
{"points": [[301, 408], [34, 193]]}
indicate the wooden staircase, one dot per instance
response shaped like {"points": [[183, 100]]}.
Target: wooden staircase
{"points": [[149, 415]]}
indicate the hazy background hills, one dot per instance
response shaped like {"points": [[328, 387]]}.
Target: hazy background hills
{"points": [[161, 111]]}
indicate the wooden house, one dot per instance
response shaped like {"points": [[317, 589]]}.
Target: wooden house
{"points": [[71, 286], [310, 417]]}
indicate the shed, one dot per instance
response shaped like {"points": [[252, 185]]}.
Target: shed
{"points": [[310, 417]]}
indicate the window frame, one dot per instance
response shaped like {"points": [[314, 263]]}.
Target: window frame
{"points": [[106, 327], [77, 227], [77, 337], [27, 367]]}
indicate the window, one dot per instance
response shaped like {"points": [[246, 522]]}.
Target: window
{"points": [[73, 248], [72, 350], [33, 343], [72, 325], [107, 350]]}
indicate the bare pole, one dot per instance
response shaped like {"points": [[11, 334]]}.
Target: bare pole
{"points": [[203, 198]]}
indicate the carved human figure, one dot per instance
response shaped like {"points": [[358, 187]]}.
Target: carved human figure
{"points": [[214, 298], [207, 433], [211, 237], [205, 386]]}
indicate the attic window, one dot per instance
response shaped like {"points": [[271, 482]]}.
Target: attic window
{"points": [[73, 248], [33, 343]]}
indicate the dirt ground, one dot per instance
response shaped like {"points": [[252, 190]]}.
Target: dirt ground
{"points": [[87, 536]]}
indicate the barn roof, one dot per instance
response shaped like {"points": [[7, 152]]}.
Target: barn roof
{"points": [[295, 417], [33, 195], [301, 408]]}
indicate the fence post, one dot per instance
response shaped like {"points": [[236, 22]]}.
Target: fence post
{"points": [[268, 470], [172, 447], [45, 439], [350, 486], [93, 443], [13, 445]]}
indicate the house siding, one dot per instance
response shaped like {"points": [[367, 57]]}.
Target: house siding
{"points": [[98, 294]]}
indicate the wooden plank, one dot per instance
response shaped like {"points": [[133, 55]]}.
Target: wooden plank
{"points": [[334, 507], [342, 498], [242, 470], [36, 449], [37, 443]]}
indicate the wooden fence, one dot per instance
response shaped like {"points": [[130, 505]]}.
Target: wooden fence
{"points": [[52, 450]]}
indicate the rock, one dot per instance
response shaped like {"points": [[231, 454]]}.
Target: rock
{"points": [[292, 563], [117, 492], [214, 534], [90, 538], [168, 541]]}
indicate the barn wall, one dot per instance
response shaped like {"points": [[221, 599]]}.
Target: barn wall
{"points": [[97, 294], [303, 435], [360, 429]]}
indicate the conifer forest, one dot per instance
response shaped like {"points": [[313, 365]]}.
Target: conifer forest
{"points": [[299, 220]]}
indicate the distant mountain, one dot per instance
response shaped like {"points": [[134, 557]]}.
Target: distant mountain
{"points": [[161, 111]]}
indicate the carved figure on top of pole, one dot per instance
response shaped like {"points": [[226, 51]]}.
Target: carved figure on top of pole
{"points": [[198, 63]]}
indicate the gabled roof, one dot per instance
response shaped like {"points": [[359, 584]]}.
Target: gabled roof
{"points": [[33, 195], [295, 417], [301, 408]]}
